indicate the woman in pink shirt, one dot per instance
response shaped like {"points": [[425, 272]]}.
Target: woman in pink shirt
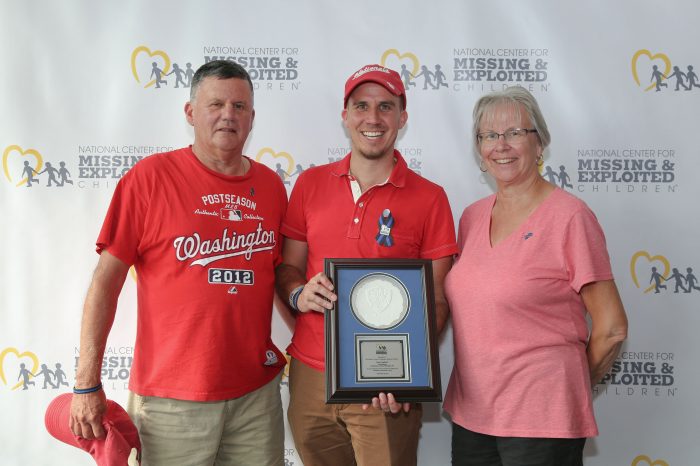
{"points": [[532, 263]]}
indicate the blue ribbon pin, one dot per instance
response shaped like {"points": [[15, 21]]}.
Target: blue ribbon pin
{"points": [[386, 222]]}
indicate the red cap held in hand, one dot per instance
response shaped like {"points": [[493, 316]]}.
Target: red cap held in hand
{"points": [[121, 447]]}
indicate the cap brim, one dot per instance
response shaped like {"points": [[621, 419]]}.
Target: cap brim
{"points": [[57, 419], [371, 79]]}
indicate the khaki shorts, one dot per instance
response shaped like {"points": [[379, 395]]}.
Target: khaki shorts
{"points": [[243, 431]]}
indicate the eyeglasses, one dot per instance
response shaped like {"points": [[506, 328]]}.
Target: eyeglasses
{"points": [[511, 136]]}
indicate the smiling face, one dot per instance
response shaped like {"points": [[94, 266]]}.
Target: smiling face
{"points": [[222, 116], [515, 162], [373, 117]]}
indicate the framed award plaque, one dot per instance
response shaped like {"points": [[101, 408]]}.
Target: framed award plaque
{"points": [[381, 333]]}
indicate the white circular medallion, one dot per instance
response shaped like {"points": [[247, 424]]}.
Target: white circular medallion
{"points": [[379, 301]]}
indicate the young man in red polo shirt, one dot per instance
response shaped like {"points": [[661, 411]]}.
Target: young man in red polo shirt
{"points": [[336, 211]]}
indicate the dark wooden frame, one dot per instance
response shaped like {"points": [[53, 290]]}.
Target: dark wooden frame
{"points": [[409, 392]]}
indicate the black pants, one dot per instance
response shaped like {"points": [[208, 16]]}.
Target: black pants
{"points": [[473, 449]]}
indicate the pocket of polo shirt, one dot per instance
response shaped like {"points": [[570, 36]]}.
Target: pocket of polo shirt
{"points": [[403, 246]]}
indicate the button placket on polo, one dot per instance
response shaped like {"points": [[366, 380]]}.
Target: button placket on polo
{"points": [[358, 213]]}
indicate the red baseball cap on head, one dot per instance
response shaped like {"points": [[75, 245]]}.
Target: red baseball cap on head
{"points": [[386, 77], [121, 447]]}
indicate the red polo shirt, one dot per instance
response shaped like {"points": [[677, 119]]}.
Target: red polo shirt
{"points": [[323, 213]]}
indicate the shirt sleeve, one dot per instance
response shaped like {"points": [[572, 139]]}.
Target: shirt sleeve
{"points": [[123, 227], [585, 251], [439, 229], [464, 224]]}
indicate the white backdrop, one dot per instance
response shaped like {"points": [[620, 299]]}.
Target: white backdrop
{"points": [[77, 95]]}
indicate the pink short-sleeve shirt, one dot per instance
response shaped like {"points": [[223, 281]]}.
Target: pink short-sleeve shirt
{"points": [[520, 332]]}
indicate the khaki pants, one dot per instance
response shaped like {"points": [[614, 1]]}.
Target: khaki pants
{"points": [[248, 430], [345, 435]]}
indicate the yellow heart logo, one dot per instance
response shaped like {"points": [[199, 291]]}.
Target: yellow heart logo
{"points": [[638, 461], [155, 53], [22, 153], [26, 354], [276, 155], [649, 258], [408, 55], [659, 56]]}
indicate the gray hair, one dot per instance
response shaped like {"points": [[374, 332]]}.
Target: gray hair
{"points": [[514, 96], [219, 69]]}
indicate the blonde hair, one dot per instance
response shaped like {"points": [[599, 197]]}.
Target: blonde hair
{"points": [[515, 96]]}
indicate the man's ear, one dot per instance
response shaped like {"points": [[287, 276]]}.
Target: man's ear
{"points": [[403, 119], [188, 113]]}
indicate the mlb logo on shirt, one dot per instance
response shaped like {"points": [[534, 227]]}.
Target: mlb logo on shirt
{"points": [[270, 358], [232, 215]]}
